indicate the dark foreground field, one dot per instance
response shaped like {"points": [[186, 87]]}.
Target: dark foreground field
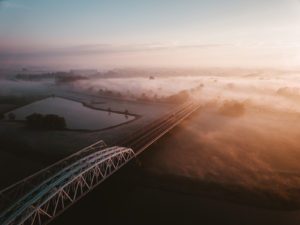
{"points": [[186, 178], [24, 151], [133, 196], [234, 164]]}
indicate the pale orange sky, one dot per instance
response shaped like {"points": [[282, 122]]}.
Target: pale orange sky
{"points": [[250, 33]]}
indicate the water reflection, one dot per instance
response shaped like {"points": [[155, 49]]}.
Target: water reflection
{"points": [[77, 115]]}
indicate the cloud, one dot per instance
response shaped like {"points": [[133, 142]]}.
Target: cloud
{"points": [[97, 49]]}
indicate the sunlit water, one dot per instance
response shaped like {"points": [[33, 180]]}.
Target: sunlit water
{"points": [[77, 115]]}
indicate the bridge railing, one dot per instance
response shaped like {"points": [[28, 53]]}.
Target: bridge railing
{"points": [[151, 125], [143, 142]]}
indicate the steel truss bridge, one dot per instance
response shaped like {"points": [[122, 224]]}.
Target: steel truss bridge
{"points": [[39, 198]]}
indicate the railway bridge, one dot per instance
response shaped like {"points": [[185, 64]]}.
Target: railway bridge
{"points": [[41, 197]]}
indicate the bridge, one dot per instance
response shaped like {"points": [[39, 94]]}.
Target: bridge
{"points": [[41, 197]]}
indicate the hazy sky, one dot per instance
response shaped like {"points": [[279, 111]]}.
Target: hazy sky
{"points": [[96, 33]]}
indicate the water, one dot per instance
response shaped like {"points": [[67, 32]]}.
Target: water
{"points": [[77, 115]]}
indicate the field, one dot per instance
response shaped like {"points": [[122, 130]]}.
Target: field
{"points": [[237, 157], [24, 150]]}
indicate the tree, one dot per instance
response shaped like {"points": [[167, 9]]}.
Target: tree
{"points": [[109, 111], [35, 120], [50, 122], [180, 97], [11, 116], [232, 108], [144, 97], [54, 122]]}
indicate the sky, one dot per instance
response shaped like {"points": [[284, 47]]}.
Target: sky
{"points": [[157, 33]]}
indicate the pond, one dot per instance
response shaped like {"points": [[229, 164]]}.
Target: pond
{"points": [[77, 115]]}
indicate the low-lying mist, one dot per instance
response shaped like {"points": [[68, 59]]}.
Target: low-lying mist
{"points": [[246, 133], [23, 88], [272, 91]]}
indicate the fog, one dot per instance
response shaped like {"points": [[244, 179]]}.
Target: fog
{"points": [[246, 133], [23, 88], [264, 90], [160, 86]]}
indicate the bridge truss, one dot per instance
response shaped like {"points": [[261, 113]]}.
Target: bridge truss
{"points": [[41, 197]]}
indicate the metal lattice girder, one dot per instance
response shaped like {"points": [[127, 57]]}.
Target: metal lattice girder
{"points": [[12, 193], [41, 197], [60, 190]]}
